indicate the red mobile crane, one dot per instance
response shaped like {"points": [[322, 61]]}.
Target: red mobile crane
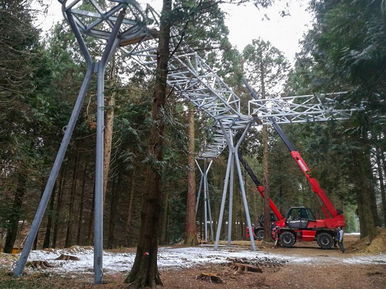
{"points": [[300, 223]]}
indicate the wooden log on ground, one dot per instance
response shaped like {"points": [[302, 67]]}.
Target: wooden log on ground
{"points": [[212, 278], [67, 257], [241, 267], [39, 264]]}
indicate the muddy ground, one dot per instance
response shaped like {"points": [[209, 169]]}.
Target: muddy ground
{"points": [[315, 275]]}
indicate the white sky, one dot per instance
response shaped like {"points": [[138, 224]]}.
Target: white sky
{"points": [[245, 22]]}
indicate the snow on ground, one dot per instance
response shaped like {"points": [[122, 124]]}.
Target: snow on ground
{"points": [[180, 258]]}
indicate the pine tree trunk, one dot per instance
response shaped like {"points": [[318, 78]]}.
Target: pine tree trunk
{"points": [[108, 131], [68, 241], [89, 240], [81, 205], [267, 210], [130, 209], [47, 236], [190, 228], [14, 218], [59, 206], [164, 219], [114, 201], [381, 183], [144, 272], [361, 177]]}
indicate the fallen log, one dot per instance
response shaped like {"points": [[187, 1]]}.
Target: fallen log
{"points": [[242, 267], [67, 257], [212, 278], [39, 264]]}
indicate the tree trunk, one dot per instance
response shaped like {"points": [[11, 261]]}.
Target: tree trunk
{"points": [[109, 125], [267, 210], [59, 206], [47, 236], [130, 209], [190, 228], [81, 205], [381, 183], [114, 201], [14, 218], [144, 272], [164, 219], [35, 246], [68, 241], [89, 240], [361, 176]]}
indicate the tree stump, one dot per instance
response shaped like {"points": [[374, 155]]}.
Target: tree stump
{"points": [[240, 268]]}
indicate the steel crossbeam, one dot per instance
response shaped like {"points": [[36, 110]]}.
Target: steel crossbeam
{"points": [[300, 108]]}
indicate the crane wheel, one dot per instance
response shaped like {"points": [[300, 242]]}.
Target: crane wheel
{"points": [[259, 234], [325, 240], [287, 239]]}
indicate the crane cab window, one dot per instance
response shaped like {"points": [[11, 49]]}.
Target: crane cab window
{"points": [[299, 217]]}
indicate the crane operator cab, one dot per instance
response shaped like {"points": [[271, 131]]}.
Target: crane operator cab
{"points": [[298, 217]]}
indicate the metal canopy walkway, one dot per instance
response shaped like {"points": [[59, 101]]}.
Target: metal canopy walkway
{"points": [[124, 24]]}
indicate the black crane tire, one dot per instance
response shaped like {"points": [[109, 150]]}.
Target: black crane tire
{"points": [[325, 240], [260, 234], [287, 239]]}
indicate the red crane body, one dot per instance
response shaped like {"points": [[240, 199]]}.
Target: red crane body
{"points": [[299, 224]]}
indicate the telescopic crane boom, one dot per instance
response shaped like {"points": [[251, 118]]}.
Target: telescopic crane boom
{"points": [[260, 187]]}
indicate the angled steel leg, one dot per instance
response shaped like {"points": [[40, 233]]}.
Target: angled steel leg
{"points": [[53, 174], [98, 217], [210, 220], [224, 196], [242, 188], [231, 188], [205, 206]]}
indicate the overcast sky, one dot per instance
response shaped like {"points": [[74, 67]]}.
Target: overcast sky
{"points": [[245, 22]]}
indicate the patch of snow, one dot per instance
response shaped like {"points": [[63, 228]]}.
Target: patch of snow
{"points": [[352, 234], [179, 258], [365, 260]]}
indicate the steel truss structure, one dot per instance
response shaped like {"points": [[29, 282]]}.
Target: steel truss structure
{"points": [[300, 108], [124, 24], [204, 188]]}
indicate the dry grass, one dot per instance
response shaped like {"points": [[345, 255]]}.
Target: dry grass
{"points": [[376, 246]]}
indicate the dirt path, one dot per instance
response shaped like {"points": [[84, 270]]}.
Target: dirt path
{"points": [[305, 267], [290, 276]]}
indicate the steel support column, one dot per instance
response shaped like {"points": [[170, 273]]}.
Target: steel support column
{"points": [[20, 264], [233, 159], [223, 199], [99, 69]]}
